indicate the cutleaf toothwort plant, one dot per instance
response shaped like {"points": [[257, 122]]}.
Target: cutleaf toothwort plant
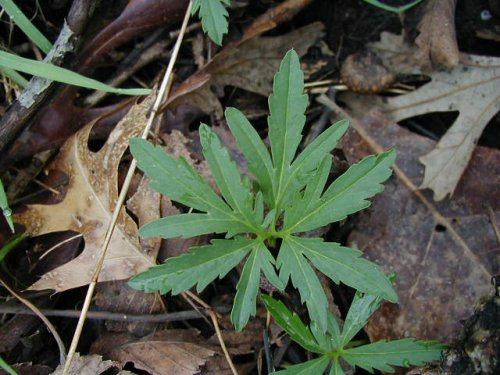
{"points": [[263, 220], [333, 345]]}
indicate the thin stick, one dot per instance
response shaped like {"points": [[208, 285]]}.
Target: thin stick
{"points": [[121, 199], [114, 316], [213, 316], [37, 312]]}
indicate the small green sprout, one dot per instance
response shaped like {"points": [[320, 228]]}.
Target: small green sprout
{"points": [[213, 15], [337, 344], [263, 220]]}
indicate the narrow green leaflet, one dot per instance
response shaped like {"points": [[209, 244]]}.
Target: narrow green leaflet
{"points": [[25, 25], [294, 266], [213, 15], [235, 191], [244, 303], [348, 193], [382, 355], [176, 178], [313, 367], [200, 266], [255, 151], [5, 366], [287, 106], [191, 225], [56, 73], [362, 307], [343, 264], [15, 76], [291, 324]]}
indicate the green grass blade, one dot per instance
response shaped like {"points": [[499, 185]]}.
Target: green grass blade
{"points": [[25, 25], [15, 76], [4, 206], [200, 266], [382, 355], [5, 366], [255, 151], [393, 9], [56, 73]]}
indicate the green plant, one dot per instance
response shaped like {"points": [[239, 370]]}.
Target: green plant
{"points": [[213, 15], [289, 198], [390, 8], [5, 366], [337, 343], [4, 206]]}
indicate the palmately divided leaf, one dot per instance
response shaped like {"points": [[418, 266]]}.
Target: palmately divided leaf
{"points": [[213, 15], [255, 151], [294, 266], [347, 194], [227, 176], [343, 264], [260, 260], [191, 225], [200, 266], [382, 355], [313, 367], [291, 324], [362, 307], [336, 368], [287, 106]]}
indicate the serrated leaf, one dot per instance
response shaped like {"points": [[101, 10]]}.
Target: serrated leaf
{"points": [[362, 307], [343, 264], [213, 15], [227, 176], [287, 106], [191, 225], [307, 161], [291, 324], [294, 266], [348, 193], [260, 260], [382, 355], [255, 151], [200, 266], [313, 367]]}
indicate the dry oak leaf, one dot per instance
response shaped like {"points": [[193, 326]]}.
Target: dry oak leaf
{"points": [[471, 88], [250, 66], [91, 365], [444, 253], [87, 209], [167, 352]]}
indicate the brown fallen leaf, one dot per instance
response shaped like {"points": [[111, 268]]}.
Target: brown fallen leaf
{"points": [[472, 88], [168, 352], [87, 209], [443, 253], [250, 66], [91, 365], [437, 41]]}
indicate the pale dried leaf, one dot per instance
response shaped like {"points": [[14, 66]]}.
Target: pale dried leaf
{"points": [[437, 41], [87, 209], [90, 365], [169, 352]]}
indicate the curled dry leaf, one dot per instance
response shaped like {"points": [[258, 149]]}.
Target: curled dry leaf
{"points": [[250, 66], [87, 209], [437, 41], [444, 253], [168, 352]]}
